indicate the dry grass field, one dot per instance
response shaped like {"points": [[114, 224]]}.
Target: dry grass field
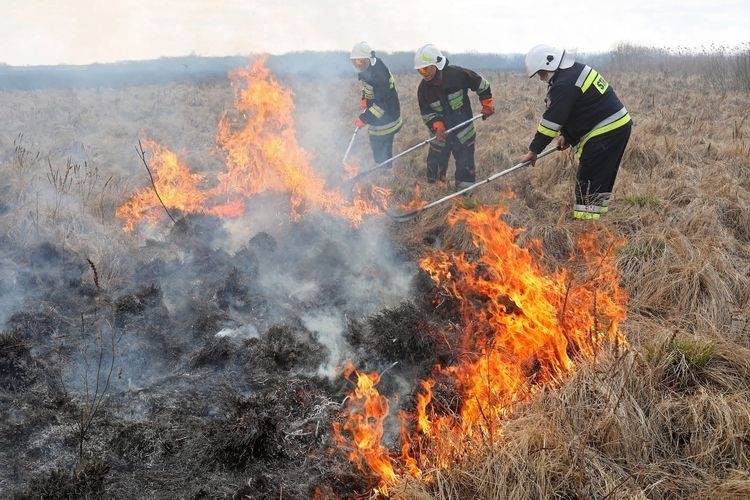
{"points": [[663, 415]]}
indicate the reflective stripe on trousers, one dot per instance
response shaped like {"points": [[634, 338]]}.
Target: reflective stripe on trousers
{"points": [[583, 215], [599, 206]]}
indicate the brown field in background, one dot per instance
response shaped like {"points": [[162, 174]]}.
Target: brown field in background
{"points": [[667, 417]]}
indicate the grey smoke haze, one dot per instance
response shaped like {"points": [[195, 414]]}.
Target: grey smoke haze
{"points": [[69, 160]]}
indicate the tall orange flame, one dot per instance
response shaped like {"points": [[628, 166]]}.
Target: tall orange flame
{"points": [[522, 328], [367, 411], [262, 155]]}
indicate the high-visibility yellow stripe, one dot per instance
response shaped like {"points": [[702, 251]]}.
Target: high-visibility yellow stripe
{"points": [[602, 129], [585, 215], [589, 80], [546, 131], [483, 86], [386, 129], [466, 134], [377, 111]]}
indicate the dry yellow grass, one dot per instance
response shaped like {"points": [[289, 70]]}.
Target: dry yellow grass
{"points": [[669, 417]]}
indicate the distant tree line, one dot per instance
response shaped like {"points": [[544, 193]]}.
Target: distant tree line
{"points": [[719, 66], [119, 74], [313, 65], [727, 67]]}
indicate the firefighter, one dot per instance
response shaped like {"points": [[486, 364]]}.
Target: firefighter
{"points": [[381, 109], [583, 111], [443, 96]]}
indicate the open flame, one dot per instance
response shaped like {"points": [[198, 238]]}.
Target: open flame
{"points": [[367, 411], [522, 328], [261, 154]]}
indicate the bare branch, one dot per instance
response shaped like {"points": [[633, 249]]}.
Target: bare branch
{"points": [[142, 154]]}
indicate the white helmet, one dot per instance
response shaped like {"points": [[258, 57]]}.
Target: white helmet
{"points": [[429, 55], [546, 58], [362, 50]]}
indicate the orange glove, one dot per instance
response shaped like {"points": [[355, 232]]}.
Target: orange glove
{"points": [[359, 123], [488, 108], [439, 128], [363, 103]]}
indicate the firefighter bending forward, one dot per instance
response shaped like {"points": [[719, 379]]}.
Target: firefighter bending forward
{"points": [[583, 111], [381, 109]]}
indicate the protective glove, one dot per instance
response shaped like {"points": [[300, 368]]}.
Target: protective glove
{"points": [[439, 128], [488, 108], [363, 103], [359, 123]]}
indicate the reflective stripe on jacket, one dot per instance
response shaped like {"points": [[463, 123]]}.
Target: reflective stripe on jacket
{"points": [[383, 111], [610, 123], [445, 98], [580, 105]]}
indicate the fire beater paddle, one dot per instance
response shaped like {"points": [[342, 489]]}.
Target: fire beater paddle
{"points": [[350, 182], [349, 148], [403, 217]]}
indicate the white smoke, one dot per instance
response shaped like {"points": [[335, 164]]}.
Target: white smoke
{"points": [[328, 327]]}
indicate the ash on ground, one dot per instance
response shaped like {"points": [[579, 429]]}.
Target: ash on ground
{"points": [[209, 373]]}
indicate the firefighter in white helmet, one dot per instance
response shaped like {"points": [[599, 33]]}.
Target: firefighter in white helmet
{"points": [[443, 96], [379, 103], [583, 111]]}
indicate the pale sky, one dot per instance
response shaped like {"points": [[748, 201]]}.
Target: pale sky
{"points": [[41, 32]]}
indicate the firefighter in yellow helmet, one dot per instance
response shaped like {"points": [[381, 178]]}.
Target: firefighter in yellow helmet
{"points": [[443, 96], [583, 111], [379, 103]]}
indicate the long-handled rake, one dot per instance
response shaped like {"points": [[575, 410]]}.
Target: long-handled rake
{"points": [[405, 216], [350, 183], [349, 148]]}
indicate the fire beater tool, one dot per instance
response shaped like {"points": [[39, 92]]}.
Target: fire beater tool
{"points": [[350, 182], [406, 216], [349, 148]]}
